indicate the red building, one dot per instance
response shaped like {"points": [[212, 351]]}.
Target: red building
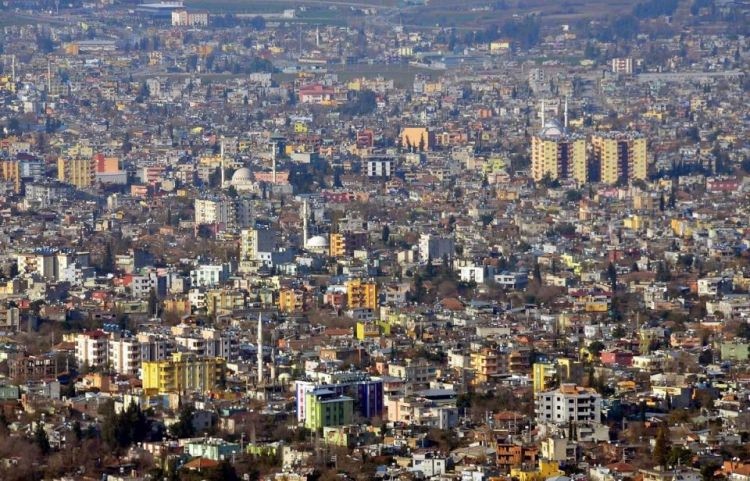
{"points": [[616, 357]]}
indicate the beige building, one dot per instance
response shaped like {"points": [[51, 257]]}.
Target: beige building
{"points": [[555, 154], [417, 138], [78, 172], [619, 157]]}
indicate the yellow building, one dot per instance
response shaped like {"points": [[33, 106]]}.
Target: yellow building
{"points": [[545, 470], [634, 222], [485, 364], [225, 301], [291, 300], [361, 295], [557, 155], [544, 376], [184, 372], [10, 171], [416, 138], [337, 245], [80, 150], [619, 157], [366, 330], [78, 172], [179, 307]]}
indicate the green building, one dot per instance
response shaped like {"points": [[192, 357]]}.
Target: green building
{"points": [[735, 351], [324, 407], [214, 449]]}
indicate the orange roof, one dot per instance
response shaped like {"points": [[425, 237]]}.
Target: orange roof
{"points": [[201, 463], [452, 304]]}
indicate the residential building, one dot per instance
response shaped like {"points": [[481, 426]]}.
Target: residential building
{"points": [[558, 155], [619, 157], [91, 349], [184, 372], [78, 172], [569, 403], [324, 407], [361, 295]]}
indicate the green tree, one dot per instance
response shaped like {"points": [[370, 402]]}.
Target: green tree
{"points": [[41, 439], [153, 303], [595, 348], [612, 276], [184, 428], [662, 446], [537, 273]]}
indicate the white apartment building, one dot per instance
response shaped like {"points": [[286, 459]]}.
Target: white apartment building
{"points": [[257, 245], [209, 342], [154, 347], [124, 355], [435, 247], [210, 275], [214, 211], [91, 349], [569, 403]]}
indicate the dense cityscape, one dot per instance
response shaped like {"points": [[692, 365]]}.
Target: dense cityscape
{"points": [[314, 240]]}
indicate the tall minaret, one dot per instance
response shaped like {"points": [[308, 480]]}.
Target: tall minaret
{"points": [[260, 348], [272, 373], [223, 179], [49, 78], [304, 224], [566, 114], [542, 113], [274, 146]]}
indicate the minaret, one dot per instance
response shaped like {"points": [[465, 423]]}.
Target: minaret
{"points": [[223, 175], [274, 146], [566, 114], [272, 374], [260, 348], [13, 69], [49, 78], [317, 36], [304, 224], [542, 113]]}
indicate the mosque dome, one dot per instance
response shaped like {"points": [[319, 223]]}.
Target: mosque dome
{"points": [[242, 175], [317, 242], [552, 128]]}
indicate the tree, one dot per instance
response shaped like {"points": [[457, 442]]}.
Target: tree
{"points": [[662, 272], [595, 348], [537, 273], [573, 195], [41, 439], [153, 303], [364, 102], [184, 428], [612, 276], [386, 234], [661, 446], [258, 22], [679, 455]]}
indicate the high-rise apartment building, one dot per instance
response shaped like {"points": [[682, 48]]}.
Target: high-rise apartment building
{"points": [[257, 245], [556, 154], [77, 171], [361, 295], [619, 157], [184, 372]]}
